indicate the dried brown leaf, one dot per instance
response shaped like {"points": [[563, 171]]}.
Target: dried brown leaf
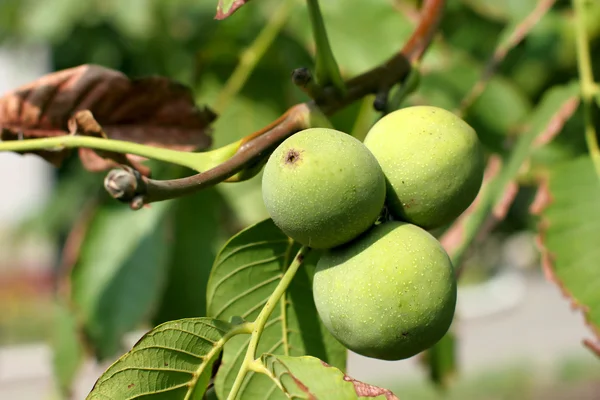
{"points": [[153, 110], [365, 390], [83, 123]]}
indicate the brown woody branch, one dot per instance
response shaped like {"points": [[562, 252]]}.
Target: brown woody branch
{"points": [[127, 186]]}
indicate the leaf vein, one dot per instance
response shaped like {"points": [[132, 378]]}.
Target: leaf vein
{"points": [[137, 396], [175, 349], [257, 306], [245, 293], [248, 246], [151, 334], [245, 266]]}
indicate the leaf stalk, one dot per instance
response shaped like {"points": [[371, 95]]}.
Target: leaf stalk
{"points": [[196, 161], [327, 71], [249, 363]]}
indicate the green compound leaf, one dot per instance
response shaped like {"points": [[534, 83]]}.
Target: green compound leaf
{"points": [[569, 233], [173, 361], [244, 275], [227, 7], [311, 378]]}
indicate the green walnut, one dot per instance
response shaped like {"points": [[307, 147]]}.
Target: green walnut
{"points": [[433, 163], [323, 187], [390, 294]]}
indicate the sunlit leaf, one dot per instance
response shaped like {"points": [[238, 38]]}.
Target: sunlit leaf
{"points": [[569, 232], [173, 361], [312, 379], [244, 275]]}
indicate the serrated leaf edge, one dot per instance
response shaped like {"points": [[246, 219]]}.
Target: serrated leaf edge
{"points": [[207, 360], [542, 201], [362, 390]]}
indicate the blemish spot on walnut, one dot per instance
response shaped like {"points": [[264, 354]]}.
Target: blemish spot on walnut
{"points": [[410, 203], [292, 156]]}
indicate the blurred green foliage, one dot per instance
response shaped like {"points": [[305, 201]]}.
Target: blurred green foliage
{"points": [[180, 39], [577, 377]]}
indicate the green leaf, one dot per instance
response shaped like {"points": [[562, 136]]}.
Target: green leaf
{"points": [[120, 272], [441, 360], [197, 233], [173, 361], [68, 350], [244, 275], [569, 233], [311, 378], [227, 7]]}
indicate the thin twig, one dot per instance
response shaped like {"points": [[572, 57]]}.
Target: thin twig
{"points": [[58, 143], [261, 143]]}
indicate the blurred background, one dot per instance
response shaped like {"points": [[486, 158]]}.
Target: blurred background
{"points": [[517, 336]]}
